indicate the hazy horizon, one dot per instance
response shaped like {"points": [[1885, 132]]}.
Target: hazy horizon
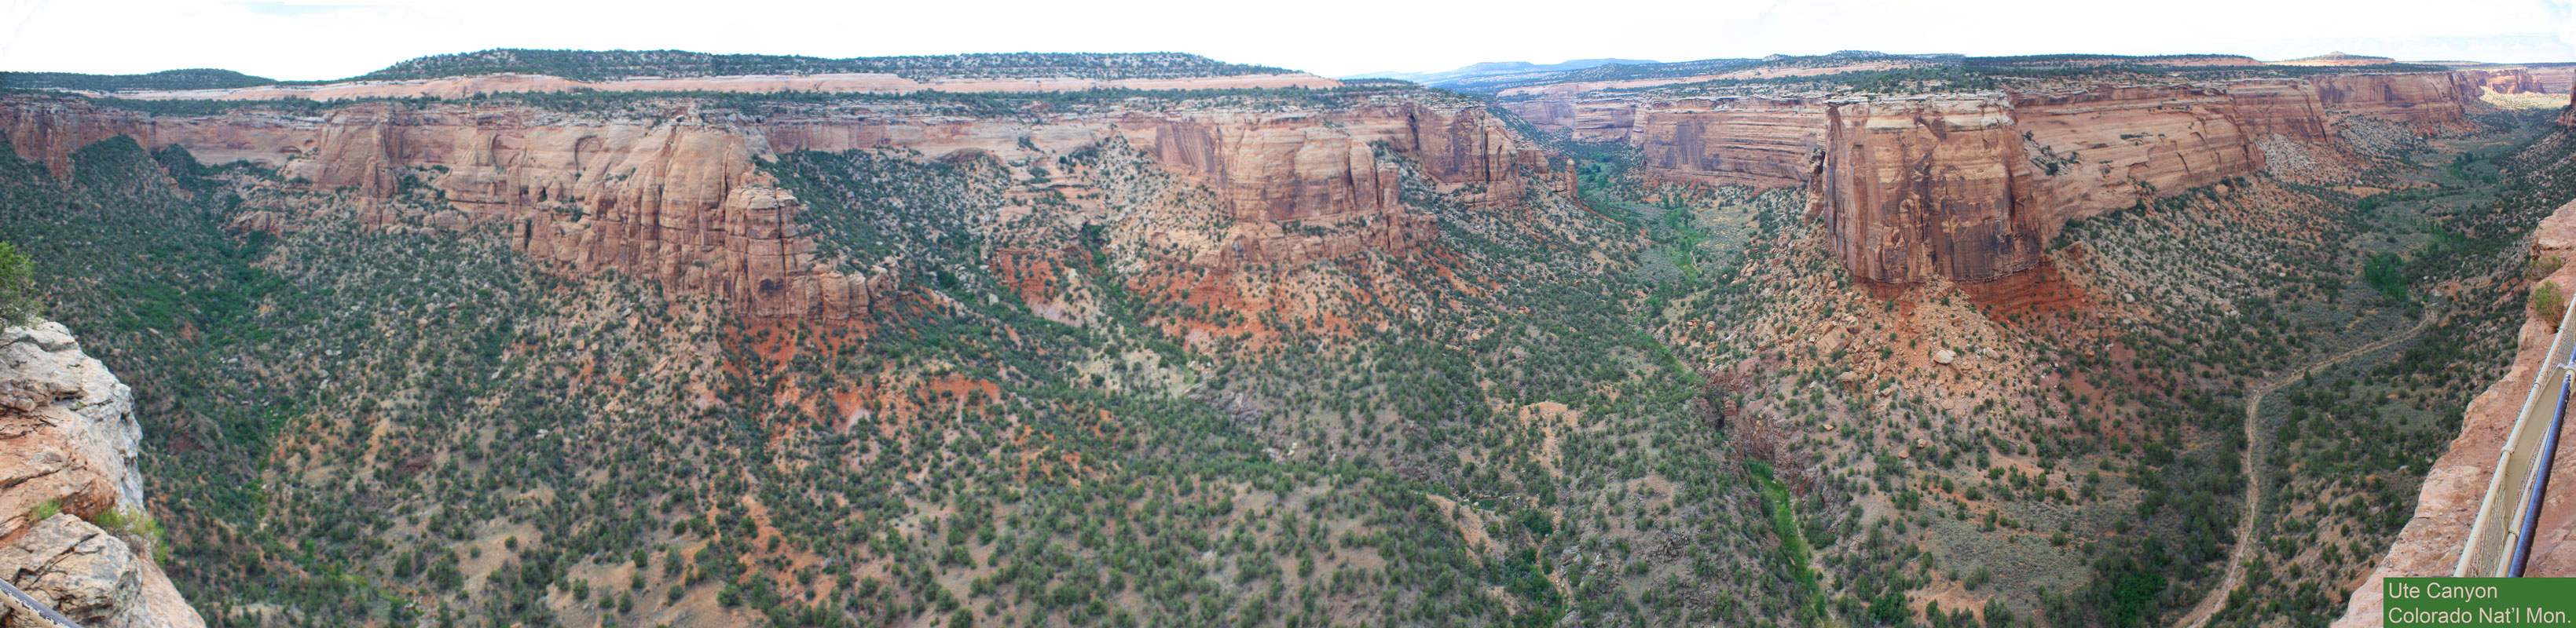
{"points": [[299, 40]]}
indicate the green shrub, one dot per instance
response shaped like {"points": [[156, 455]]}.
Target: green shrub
{"points": [[2549, 302], [18, 303]]}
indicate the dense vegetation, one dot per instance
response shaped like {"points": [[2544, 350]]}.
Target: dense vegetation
{"points": [[1653, 404], [164, 80]]}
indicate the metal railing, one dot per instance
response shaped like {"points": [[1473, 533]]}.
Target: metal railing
{"points": [[30, 603], [2506, 516]]}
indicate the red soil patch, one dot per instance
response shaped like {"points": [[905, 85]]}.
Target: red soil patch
{"points": [[2042, 289]]}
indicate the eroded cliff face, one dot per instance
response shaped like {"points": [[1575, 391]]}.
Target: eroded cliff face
{"points": [[2429, 101], [1763, 142], [68, 441], [1917, 188], [673, 193], [48, 130], [1965, 188], [1297, 185], [1926, 187], [2102, 149], [2556, 79], [2505, 81]]}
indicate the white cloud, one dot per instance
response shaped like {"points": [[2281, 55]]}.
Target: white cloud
{"points": [[318, 39]]}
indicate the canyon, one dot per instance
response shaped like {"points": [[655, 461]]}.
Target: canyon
{"points": [[670, 190], [1159, 349], [1966, 186]]}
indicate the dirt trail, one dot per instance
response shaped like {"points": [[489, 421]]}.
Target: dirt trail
{"points": [[2254, 446]]}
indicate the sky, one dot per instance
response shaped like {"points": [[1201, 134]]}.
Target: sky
{"points": [[328, 39]]}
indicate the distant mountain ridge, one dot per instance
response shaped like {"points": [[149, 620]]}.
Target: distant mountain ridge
{"points": [[1492, 68], [600, 65]]}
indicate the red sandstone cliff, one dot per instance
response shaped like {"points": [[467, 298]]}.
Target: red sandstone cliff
{"points": [[1926, 186], [2505, 81], [1921, 187], [675, 195], [2426, 101]]}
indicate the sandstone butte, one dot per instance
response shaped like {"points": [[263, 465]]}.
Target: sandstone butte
{"points": [[676, 196], [1968, 186], [68, 437]]}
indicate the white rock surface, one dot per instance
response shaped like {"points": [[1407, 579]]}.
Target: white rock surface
{"points": [[68, 436]]}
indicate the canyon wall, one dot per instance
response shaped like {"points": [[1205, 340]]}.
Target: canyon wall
{"points": [[1920, 187], [2554, 79], [675, 195], [1927, 186], [2505, 81], [1273, 171], [2425, 101], [2106, 148], [1752, 140]]}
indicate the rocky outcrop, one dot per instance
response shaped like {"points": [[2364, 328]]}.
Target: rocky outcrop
{"points": [[1923, 187], [48, 130], [1966, 187], [2288, 108], [1749, 140], [2504, 81], [68, 429], [2554, 79], [2425, 101], [672, 197], [2105, 148], [1299, 184]]}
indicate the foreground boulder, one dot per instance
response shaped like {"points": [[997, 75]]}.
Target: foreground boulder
{"points": [[67, 446]]}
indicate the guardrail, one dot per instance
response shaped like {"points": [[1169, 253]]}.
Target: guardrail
{"points": [[2502, 533], [39, 608]]}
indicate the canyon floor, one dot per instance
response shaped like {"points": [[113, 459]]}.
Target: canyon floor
{"points": [[1367, 354]]}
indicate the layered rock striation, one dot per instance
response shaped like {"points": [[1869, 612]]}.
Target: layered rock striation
{"points": [[670, 192], [1964, 186], [68, 441], [1921, 187]]}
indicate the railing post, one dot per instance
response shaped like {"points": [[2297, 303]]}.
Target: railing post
{"points": [[39, 608], [2533, 497]]}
